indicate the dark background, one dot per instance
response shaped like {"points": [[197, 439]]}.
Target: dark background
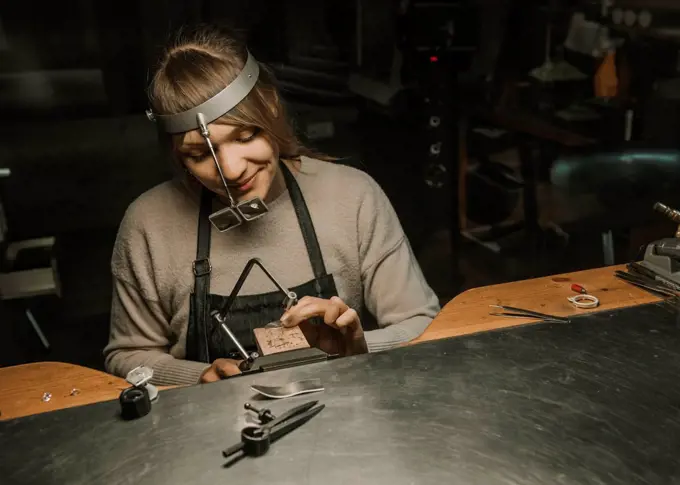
{"points": [[72, 98]]}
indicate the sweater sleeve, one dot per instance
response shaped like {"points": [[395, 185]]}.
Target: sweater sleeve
{"points": [[395, 289], [140, 329], [139, 336]]}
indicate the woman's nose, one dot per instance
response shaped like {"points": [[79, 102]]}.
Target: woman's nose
{"points": [[232, 164]]}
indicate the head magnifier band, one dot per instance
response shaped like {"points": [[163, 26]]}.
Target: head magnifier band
{"points": [[235, 214], [198, 118], [213, 108]]}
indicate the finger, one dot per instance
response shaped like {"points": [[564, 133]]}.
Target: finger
{"points": [[355, 342], [297, 315], [304, 302], [333, 312], [221, 372], [358, 346], [336, 305], [344, 307], [210, 376], [328, 338], [349, 319], [227, 369], [310, 331]]}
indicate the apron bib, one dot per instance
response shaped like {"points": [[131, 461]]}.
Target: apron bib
{"points": [[205, 340]]}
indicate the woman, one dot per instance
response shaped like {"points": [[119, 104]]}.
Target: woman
{"points": [[246, 188]]}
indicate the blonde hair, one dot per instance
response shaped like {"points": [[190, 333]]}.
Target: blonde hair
{"points": [[201, 63]]}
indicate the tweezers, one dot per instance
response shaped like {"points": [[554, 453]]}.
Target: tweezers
{"points": [[510, 311], [646, 283]]}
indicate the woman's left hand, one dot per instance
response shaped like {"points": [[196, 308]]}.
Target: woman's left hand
{"points": [[342, 333]]}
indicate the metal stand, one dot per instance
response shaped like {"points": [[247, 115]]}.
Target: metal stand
{"points": [[253, 362]]}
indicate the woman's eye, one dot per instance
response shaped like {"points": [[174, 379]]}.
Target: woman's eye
{"points": [[248, 135], [195, 157]]}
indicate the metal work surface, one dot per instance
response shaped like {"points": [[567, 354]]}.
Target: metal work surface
{"points": [[595, 401]]}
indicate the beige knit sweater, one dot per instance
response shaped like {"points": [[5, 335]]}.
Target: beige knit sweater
{"points": [[362, 241]]}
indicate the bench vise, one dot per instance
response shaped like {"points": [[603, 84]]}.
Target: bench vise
{"points": [[663, 256]]}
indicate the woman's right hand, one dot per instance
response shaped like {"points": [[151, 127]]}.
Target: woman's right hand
{"points": [[221, 369]]}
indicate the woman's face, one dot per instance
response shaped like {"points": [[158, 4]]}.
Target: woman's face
{"points": [[248, 160]]}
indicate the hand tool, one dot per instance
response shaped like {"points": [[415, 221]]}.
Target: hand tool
{"points": [[264, 415], [256, 440], [637, 269], [646, 283], [578, 289], [510, 311], [290, 389]]}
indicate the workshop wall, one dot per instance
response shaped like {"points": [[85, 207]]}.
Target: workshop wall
{"points": [[74, 134], [79, 173]]}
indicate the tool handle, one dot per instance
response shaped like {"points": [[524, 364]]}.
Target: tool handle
{"points": [[578, 289], [232, 450], [289, 425]]}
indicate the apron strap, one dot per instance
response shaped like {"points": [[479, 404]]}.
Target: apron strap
{"points": [[202, 269], [305, 221]]}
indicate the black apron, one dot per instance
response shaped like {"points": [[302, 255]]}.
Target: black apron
{"points": [[205, 340]]}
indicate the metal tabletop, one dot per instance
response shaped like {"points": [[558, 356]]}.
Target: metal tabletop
{"points": [[595, 401]]}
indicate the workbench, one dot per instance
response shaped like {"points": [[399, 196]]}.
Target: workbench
{"points": [[23, 387], [587, 402]]}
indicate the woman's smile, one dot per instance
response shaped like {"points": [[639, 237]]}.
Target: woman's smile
{"points": [[242, 155], [246, 185]]}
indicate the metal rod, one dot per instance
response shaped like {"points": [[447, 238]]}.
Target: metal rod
{"points": [[37, 329], [206, 134], [221, 315], [241, 279], [231, 335]]}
